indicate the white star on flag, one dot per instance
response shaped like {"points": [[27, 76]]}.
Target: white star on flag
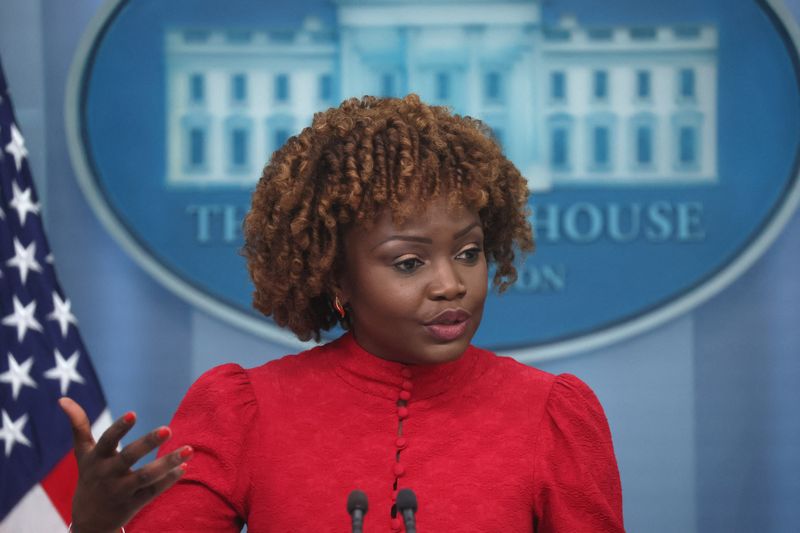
{"points": [[22, 202], [2, 214], [11, 432], [23, 318], [17, 147], [65, 371], [24, 259], [62, 313], [18, 375]]}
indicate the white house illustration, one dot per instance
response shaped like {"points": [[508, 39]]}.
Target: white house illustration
{"points": [[571, 105]]}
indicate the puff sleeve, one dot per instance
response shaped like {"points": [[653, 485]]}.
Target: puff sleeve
{"points": [[576, 480], [217, 418]]}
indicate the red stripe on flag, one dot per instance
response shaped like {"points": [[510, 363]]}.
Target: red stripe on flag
{"points": [[59, 485]]}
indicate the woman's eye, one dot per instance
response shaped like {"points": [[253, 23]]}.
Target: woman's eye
{"points": [[470, 255], [408, 265]]}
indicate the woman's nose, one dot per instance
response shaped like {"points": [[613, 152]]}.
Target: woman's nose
{"points": [[447, 283]]}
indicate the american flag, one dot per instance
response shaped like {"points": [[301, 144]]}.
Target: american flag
{"points": [[42, 356]]}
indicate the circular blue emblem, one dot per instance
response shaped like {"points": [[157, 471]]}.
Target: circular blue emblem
{"points": [[660, 141]]}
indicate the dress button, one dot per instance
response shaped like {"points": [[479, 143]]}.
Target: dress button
{"points": [[396, 524], [402, 413], [401, 443], [405, 395], [406, 373], [399, 470], [407, 385]]}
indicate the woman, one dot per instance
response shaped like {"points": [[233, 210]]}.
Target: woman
{"points": [[382, 217]]}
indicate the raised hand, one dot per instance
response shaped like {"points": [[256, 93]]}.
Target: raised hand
{"points": [[109, 491]]}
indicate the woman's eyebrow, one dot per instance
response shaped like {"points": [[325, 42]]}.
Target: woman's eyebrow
{"points": [[410, 238], [466, 230], [425, 240]]}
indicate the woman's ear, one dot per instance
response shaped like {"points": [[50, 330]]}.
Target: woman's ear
{"points": [[341, 288], [340, 298], [340, 284]]}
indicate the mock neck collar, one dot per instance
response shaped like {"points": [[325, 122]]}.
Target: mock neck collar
{"points": [[380, 377]]}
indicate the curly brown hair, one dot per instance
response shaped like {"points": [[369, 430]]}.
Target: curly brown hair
{"points": [[354, 161]]}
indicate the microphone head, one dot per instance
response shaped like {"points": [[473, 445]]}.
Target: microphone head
{"points": [[357, 500], [406, 499]]}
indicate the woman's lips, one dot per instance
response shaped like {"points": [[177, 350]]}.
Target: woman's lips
{"points": [[449, 324], [447, 332]]}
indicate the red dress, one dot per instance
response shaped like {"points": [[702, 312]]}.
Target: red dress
{"points": [[486, 443]]}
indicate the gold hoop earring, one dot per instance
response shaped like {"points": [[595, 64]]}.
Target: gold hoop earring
{"points": [[339, 307]]}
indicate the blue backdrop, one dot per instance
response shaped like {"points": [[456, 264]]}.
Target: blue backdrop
{"points": [[703, 408]]}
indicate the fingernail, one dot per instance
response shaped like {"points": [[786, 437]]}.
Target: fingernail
{"points": [[186, 452], [183, 468], [129, 417], [163, 433]]}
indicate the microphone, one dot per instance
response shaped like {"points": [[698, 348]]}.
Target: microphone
{"points": [[407, 505], [357, 508]]}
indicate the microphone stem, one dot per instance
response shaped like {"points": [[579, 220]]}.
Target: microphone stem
{"points": [[410, 522], [358, 521]]}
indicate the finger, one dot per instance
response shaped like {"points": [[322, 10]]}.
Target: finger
{"points": [[142, 446], [81, 428], [147, 493], [153, 473], [109, 440]]}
